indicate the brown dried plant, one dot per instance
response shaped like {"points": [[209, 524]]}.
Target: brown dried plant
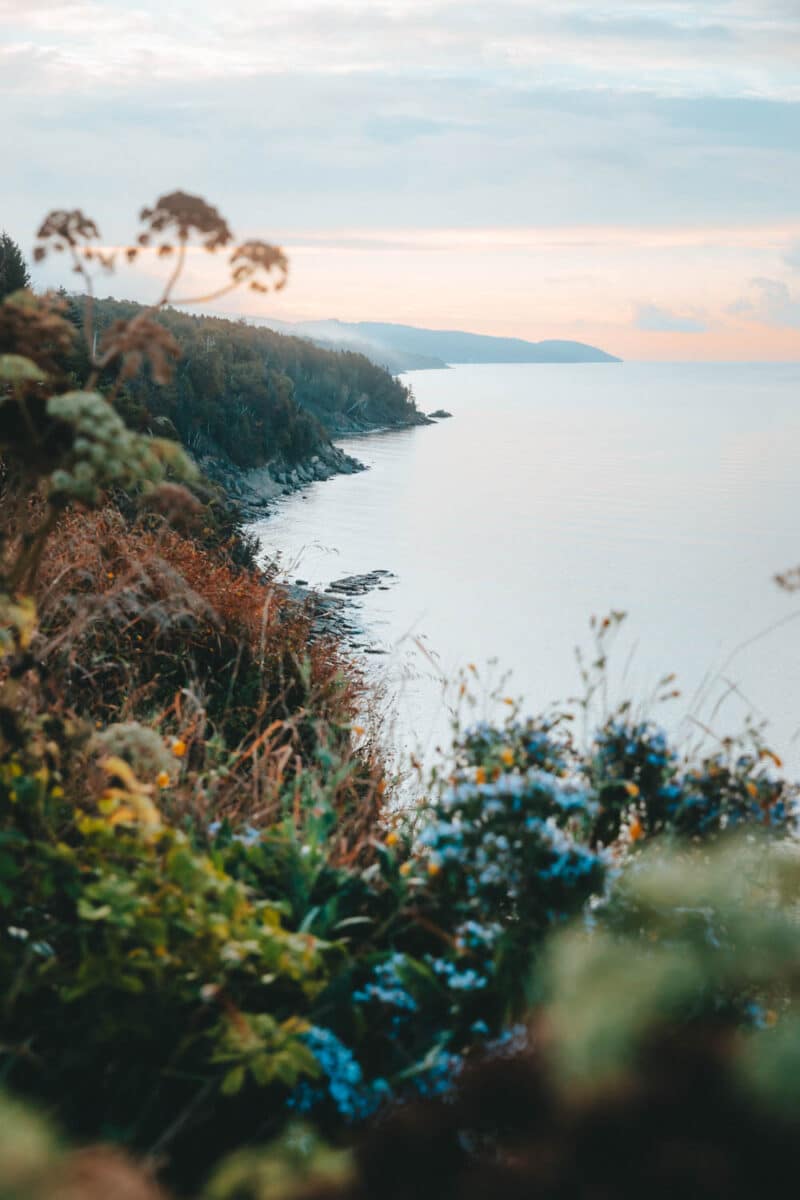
{"points": [[170, 226], [34, 330]]}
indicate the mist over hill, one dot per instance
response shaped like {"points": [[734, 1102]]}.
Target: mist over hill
{"points": [[410, 348]]}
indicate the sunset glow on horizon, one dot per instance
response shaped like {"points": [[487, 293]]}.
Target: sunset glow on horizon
{"points": [[627, 178]]}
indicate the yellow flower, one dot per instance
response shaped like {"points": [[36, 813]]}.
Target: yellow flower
{"points": [[509, 701], [392, 838], [359, 730], [406, 868], [179, 747], [507, 755], [109, 574], [162, 779], [434, 867], [57, 793], [480, 775], [632, 789], [636, 830], [752, 788]]}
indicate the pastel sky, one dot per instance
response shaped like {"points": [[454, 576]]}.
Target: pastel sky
{"points": [[626, 173]]}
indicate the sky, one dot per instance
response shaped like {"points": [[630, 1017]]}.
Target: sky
{"points": [[622, 173]]}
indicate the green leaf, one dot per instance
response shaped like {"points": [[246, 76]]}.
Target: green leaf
{"points": [[233, 1081]]}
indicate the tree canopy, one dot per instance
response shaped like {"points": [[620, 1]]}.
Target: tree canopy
{"points": [[250, 392]]}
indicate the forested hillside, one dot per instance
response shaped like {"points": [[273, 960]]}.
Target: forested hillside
{"points": [[250, 392]]}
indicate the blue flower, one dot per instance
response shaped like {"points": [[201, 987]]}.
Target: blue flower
{"points": [[354, 1099]]}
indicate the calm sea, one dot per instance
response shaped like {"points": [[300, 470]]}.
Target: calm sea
{"points": [[558, 492]]}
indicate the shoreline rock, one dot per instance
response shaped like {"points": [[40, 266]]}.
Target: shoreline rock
{"points": [[255, 490], [335, 608]]}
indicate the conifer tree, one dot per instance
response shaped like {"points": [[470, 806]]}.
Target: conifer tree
{"points": [[13, 268]]}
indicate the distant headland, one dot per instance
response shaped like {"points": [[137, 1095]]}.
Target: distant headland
{"points": [[409, 348]]}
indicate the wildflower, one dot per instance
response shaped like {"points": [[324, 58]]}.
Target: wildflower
{"points": [[507, 755], [636, 830], [434, 867], [392, 838], [344, 1083], [480, 775], [178, 747], [632, 789], [162, 779], [406, 868]]}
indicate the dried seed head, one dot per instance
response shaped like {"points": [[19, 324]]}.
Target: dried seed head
{"points": [[67, 228], [252, 258], [141, 339], [182, 215]]}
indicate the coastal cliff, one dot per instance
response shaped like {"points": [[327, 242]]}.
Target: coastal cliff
{"points": [[256, 409]]}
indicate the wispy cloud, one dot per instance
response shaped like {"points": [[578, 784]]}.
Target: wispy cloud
{"points": [[771, 302], [654, 318]]}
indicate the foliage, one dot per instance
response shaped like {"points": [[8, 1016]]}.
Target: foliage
{"points": [[139, 975], [662, 1062], [14, 273], [250, 393]]}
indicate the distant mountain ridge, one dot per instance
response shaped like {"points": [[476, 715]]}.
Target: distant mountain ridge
{"points": [[410, 348]]}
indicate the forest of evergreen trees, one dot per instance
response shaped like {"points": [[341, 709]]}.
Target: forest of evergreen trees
{"points": [[250, 392]]}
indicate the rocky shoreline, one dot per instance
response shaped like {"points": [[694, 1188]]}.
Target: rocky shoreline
{"points": [[255, 490], [335, 608]]}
